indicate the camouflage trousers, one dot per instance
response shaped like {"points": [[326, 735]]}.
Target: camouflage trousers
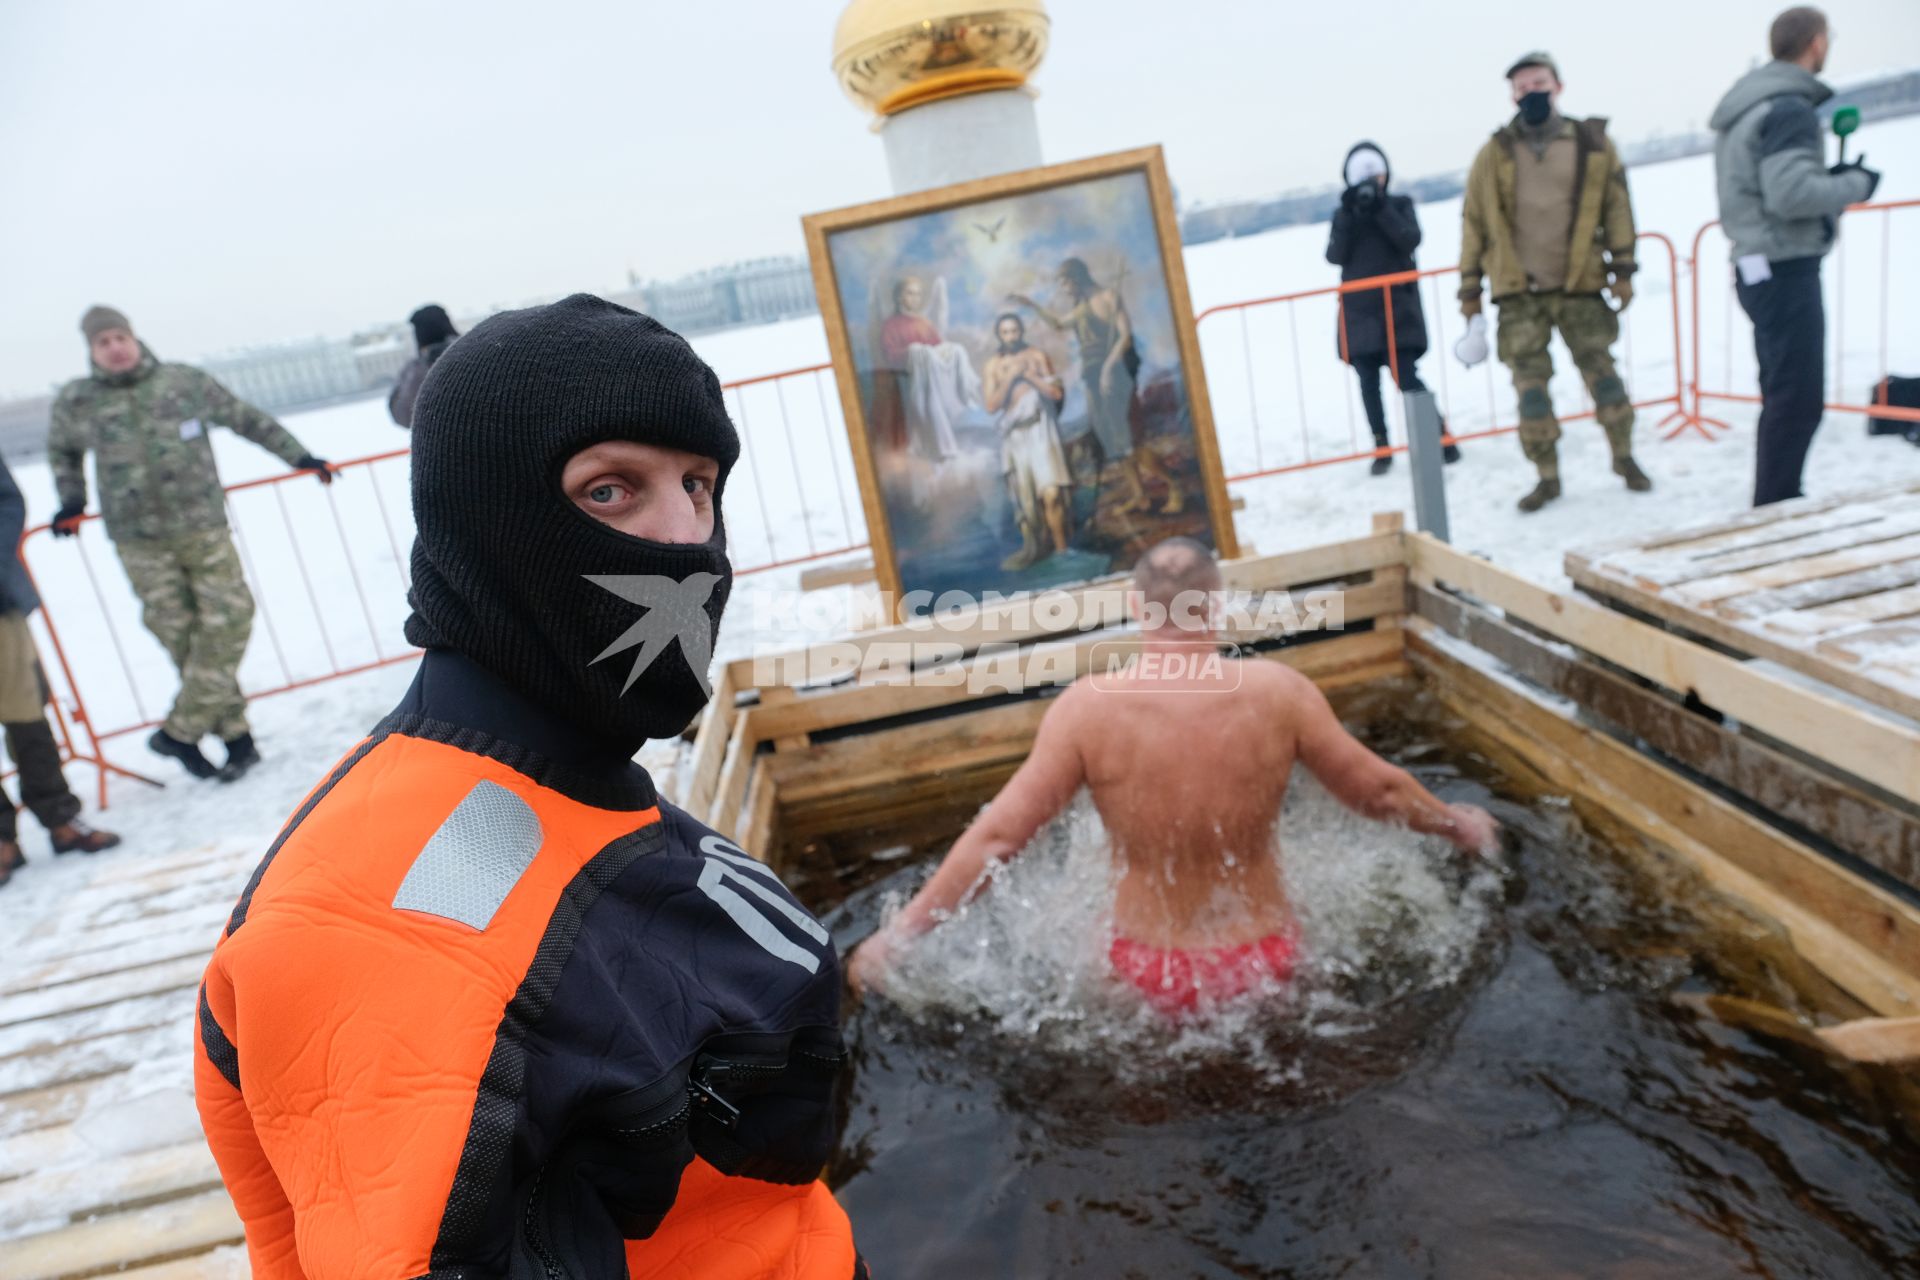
{"points": [[1589, 327], [196, 603]]}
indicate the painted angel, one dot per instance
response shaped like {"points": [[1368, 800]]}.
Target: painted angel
{"points": [[924, 384]]}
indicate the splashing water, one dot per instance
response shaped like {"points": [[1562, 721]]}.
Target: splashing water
{"points": [[1390, 924]]}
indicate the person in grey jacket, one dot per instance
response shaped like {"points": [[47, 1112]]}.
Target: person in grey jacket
{"points": [[1780, 204]]}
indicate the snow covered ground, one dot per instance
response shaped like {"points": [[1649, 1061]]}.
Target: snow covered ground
{"points": [[1260, 408]]}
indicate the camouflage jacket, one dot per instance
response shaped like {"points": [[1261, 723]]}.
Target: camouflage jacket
{"points": [[1602, 232], [148, 429]]}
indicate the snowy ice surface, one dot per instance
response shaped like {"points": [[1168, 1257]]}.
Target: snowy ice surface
{"points": [[795, 495]]}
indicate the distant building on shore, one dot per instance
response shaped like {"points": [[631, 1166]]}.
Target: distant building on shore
{"points": [[23, 426], [759, 291], [286, 374]]}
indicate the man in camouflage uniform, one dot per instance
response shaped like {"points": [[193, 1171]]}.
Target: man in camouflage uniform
{"points": [[165, 511], [1547, 220]]}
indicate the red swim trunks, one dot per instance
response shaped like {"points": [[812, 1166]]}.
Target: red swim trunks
{"points": [[1174, 979]]}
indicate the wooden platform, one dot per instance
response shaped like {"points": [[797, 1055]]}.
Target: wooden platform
{"points": [[102, 1170], [102, 1166], [1827, 587]]}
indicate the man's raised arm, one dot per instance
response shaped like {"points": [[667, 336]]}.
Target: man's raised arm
{"points": [[1042, 787], [1370, 786]]}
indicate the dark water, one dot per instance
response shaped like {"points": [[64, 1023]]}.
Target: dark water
{"points": [[1552, 1106]]}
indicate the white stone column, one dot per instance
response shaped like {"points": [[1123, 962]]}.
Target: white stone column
{"points": [[977, 135]]}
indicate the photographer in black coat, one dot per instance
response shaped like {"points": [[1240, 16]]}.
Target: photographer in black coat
{"points": [[1375, 234]]}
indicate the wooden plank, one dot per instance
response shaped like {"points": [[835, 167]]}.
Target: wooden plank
{"points": [[42, 1034], [774, 697], [1819, 591], [93, 1056], [1100, 603], [710, 744], [1862, 938], [156, 1233], [1879, 751], [1865, 533], [1747, 636], [1871, 829], [1902, 602], [1831, 564], [894, 756], [215, 874], [822, 577], [756, 837], [208, 919], [228, 1263], [1051, 662], [1777, 519], [52, 1196], [929, 750], [95, 964], [1771, 544], [1393, 579], [1875, 1039], [91, 993], [58, 1104], [732, 786]]}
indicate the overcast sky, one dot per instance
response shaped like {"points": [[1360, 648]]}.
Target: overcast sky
{"points": [[231, 172]]}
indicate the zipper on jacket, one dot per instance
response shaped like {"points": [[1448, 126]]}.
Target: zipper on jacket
{"points": [[661, 1127], [535, 1240], [702, 1094]]}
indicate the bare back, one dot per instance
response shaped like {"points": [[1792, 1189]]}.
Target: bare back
{"points": [[1189, 775]]}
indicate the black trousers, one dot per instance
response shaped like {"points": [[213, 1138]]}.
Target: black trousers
{"points": [[43, 788], [1790, 342], [1408, 375]]}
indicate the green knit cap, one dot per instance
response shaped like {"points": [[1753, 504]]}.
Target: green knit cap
{"points": [[100, 319]]}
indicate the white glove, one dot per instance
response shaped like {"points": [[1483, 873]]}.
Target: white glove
{"points": [[1472, 347]]}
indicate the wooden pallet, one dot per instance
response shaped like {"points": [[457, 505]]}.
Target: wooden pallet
{"points": [[96, 1025], [1828, 587]]}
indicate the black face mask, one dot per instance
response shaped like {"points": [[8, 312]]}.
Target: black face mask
{"points": [[1535, 107], [609, 632]]}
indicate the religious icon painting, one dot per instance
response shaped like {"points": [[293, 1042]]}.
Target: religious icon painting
{"points": [[1018, 369]]}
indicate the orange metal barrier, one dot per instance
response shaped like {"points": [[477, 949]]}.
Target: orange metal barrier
{"points": [[794, 500], [1318, 448], [1732, 318], [330, 587]]}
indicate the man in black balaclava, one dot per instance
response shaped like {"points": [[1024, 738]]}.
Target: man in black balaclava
{"points": [[510, 571], [618, 1031], [433, 333]]}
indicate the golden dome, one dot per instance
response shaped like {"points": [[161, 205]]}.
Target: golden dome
{"points": [[893, 54]]}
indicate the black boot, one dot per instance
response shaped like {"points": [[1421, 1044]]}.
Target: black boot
{"points": [[242, 755], [11, 859], [1543, 493], [1629, 470], [77, 837], [1382, 454], [187, 753]]}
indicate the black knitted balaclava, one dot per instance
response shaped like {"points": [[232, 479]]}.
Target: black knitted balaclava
{"points": [[431, 324], [504, 566]]}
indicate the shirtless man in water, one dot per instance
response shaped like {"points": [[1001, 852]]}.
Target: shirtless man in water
{"points": [[1188, 768]]}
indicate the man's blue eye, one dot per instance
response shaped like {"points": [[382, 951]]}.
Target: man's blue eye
{"points": [[601, 493]]}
